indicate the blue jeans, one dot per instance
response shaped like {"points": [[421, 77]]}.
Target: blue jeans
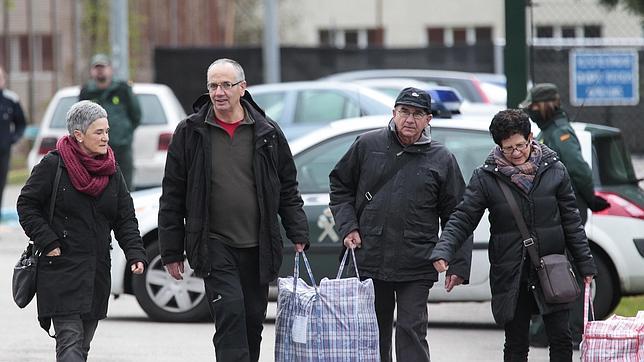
{"points": [[73, 336], [517, 331]]}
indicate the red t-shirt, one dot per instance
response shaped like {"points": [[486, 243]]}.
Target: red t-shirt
{"points": [[229, 127]]}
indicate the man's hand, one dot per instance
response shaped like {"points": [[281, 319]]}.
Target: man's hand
{"points": [[54, 252], [138, 267], [451, 281], [299, 247], [440, 265], [352, 240], [175, 269]]}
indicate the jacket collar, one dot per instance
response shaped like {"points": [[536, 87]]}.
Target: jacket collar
{"points": [[425, 136]]}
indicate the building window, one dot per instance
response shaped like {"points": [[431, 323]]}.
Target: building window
{"points": [[545, 32], [47, 52], [483, 35], [592, 31], [376, 37], [459, 36], [568, 32], [351, 38], [325, 38], [436, 36]]}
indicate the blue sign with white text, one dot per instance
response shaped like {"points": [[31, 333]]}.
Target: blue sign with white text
{"points": [[604, 77]]}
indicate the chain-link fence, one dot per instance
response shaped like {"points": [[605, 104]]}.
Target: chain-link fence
{"points": [[561, 27]]}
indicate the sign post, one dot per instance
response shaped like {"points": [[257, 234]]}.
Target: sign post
{"points": [[604, 77]]}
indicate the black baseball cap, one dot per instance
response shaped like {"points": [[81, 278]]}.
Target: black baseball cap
{"points": [[415, 97]]}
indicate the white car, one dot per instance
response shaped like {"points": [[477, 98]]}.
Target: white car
{"points": [[616, 235], [160, 114]]}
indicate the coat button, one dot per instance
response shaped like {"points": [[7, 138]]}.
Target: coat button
{"points": [[545, 163], [496, 169]]}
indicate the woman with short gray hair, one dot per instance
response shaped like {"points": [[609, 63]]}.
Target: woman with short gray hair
{"points": [[73, 240]]}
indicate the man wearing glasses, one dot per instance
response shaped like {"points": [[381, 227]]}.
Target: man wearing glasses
{"points": [[229, 173], [388, 194]]}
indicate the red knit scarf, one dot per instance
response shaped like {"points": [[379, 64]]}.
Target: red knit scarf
{"points": [[89, 175]]}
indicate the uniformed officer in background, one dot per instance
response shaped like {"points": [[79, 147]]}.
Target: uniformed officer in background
{"points": [[12, 126]]}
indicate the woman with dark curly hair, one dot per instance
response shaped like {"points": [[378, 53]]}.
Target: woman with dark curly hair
{"points": [[541, 185]]}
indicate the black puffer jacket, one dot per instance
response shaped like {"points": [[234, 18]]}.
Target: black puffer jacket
{"points": [[77, 281], [550, 213], [399, 226], [186, 192]]}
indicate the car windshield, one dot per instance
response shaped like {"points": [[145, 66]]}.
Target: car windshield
{"points": [[151, 110], [612, 161]]}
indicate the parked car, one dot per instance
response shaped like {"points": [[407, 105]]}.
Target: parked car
{"points": [[616, 234], [300, 107], [161, 112], [467, 84], [444, 98]]}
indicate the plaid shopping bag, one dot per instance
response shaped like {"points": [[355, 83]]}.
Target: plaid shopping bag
{"points": [[614, 339], [333, 322]]}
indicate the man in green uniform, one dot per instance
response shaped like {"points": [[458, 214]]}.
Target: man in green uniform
{"points": [[543, 105], [122, 108]]}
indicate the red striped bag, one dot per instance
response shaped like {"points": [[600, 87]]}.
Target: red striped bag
{"points": [[614, 339]]}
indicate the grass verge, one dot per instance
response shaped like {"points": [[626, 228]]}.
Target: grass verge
{"points": [[629, 306]]}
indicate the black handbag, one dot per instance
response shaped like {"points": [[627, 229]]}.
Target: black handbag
{"points": [[23, 283], [554, 271]]}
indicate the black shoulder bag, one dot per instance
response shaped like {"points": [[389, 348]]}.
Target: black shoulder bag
{"points": [[23, 283], [554, 271]]}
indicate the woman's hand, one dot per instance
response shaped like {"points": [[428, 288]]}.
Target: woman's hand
{"points": [[588, 279], [138, 267], [54, 252]]}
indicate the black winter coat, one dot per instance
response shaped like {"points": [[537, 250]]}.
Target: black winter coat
{"points": [[550, 213], [183, 207], [399, 226], [77, 281]]}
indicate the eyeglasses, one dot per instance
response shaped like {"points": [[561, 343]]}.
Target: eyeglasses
{"points": [[224, 85], [519, 147], [417, 115]]}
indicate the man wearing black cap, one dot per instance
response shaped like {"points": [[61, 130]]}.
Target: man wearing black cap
{"points": [[543, 105], [388, 194], [122, 108]]}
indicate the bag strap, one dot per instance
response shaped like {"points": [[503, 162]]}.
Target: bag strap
{"points": [[588, 305], [400, 162], [296, 271], [528, 241], [52, 200], [344, 259]]}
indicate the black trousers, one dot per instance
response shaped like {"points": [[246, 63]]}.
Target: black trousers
{"points": [[517, 331], [411, 320], [5, 156], [73, 337], [237, 301]]}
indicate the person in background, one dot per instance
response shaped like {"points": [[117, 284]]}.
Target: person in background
{"points": [[394, 234], [543, 105], [122, 107], [229, 173], [541, 186], [12, 126], [92, 200]]}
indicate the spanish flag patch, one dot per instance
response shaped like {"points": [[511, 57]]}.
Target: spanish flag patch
{"points": [[564, 137]]}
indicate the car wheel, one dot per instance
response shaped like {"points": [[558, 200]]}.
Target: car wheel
{"points": [[606, 292], [166, 299]]}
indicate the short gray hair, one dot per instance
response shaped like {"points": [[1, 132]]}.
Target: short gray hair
{"points": [[238, 68], [82, 114]]}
